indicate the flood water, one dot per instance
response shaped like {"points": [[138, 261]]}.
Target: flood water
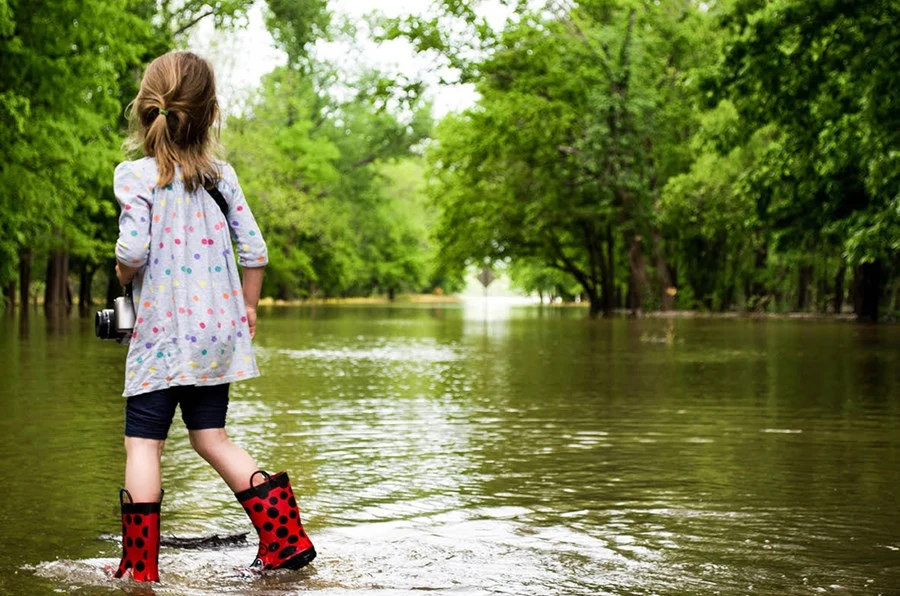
{"points": [[482, 450]]}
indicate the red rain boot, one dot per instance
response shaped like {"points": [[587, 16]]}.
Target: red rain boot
{"points": [[140, 539], [273, 511]]}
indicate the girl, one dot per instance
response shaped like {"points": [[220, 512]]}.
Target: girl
{"points": [[194, 318]]}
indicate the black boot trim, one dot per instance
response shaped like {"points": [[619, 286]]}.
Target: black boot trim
{"points": [[144, 508], [301, 560], [279, 480]]}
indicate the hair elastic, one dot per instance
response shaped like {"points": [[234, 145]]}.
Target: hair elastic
{"points": [[163, 112]]}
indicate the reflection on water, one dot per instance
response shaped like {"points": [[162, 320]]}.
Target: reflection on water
{"points": [[488, 450]]}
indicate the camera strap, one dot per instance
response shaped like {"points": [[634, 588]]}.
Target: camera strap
{"points": [[218, 198]]}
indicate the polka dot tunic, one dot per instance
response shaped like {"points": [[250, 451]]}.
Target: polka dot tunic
{"points": [[191, 324]]}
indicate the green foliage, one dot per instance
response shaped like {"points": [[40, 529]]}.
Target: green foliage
{"points": [[534, 277], [341, 215], [62, 66], [824, 76], [282, 166], [744, 153], [174, 18], [709, 213], [607, 134], [582, 120], [296, 25]]}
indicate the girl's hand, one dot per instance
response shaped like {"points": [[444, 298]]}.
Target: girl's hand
{"points": [[124, 273], [251, 320]]}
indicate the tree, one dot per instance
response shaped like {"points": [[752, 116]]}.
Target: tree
{"points": [[60, 71], [535, 277], [710, 215], [68, 69], [823, 74], [338, 222], [580, 124]]}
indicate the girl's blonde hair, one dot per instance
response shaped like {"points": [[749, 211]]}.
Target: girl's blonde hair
{"points": [[172, 115]]}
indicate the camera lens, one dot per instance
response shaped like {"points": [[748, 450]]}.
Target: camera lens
{"points": [[104, 325]]}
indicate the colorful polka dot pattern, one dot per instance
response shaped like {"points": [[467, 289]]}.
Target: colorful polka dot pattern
{"points": [[191, 325]]}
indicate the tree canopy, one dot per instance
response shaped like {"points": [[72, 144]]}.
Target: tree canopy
{"points": [[331, 180], [732, 154], [728, 155]]}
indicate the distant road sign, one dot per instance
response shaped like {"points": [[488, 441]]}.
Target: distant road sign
{"points": [[486, 276]]}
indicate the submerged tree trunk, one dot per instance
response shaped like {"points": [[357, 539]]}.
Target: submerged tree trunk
{"points": [[56, 294], [609, 274], [594, 279], [803, 280], [85, 299], [823, 288], [727, 296], [666, 284], [895, 302], [822, 291], [758, 292], [869, 285], [839, 288], [596, 304], [9, 295], [25, 277], [637, 272]]}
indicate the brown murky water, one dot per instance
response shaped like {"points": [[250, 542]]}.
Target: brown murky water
{"points": [[472, 451]]}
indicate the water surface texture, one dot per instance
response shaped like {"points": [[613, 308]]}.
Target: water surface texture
{"points": [[471, 450]]}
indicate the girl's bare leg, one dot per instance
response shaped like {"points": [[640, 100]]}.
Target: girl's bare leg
{"points": [[233, 464], [142, 469]]}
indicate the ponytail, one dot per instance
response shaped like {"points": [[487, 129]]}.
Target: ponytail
{"points": [[158, 144], [172, 116]]}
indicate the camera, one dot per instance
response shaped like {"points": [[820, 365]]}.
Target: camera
{"points": [[116, 322]]}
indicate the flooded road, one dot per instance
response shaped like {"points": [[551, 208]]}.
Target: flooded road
{"points": [[461, 450]]}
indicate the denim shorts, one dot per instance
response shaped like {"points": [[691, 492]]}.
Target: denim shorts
{"points": [[149, 415]]}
